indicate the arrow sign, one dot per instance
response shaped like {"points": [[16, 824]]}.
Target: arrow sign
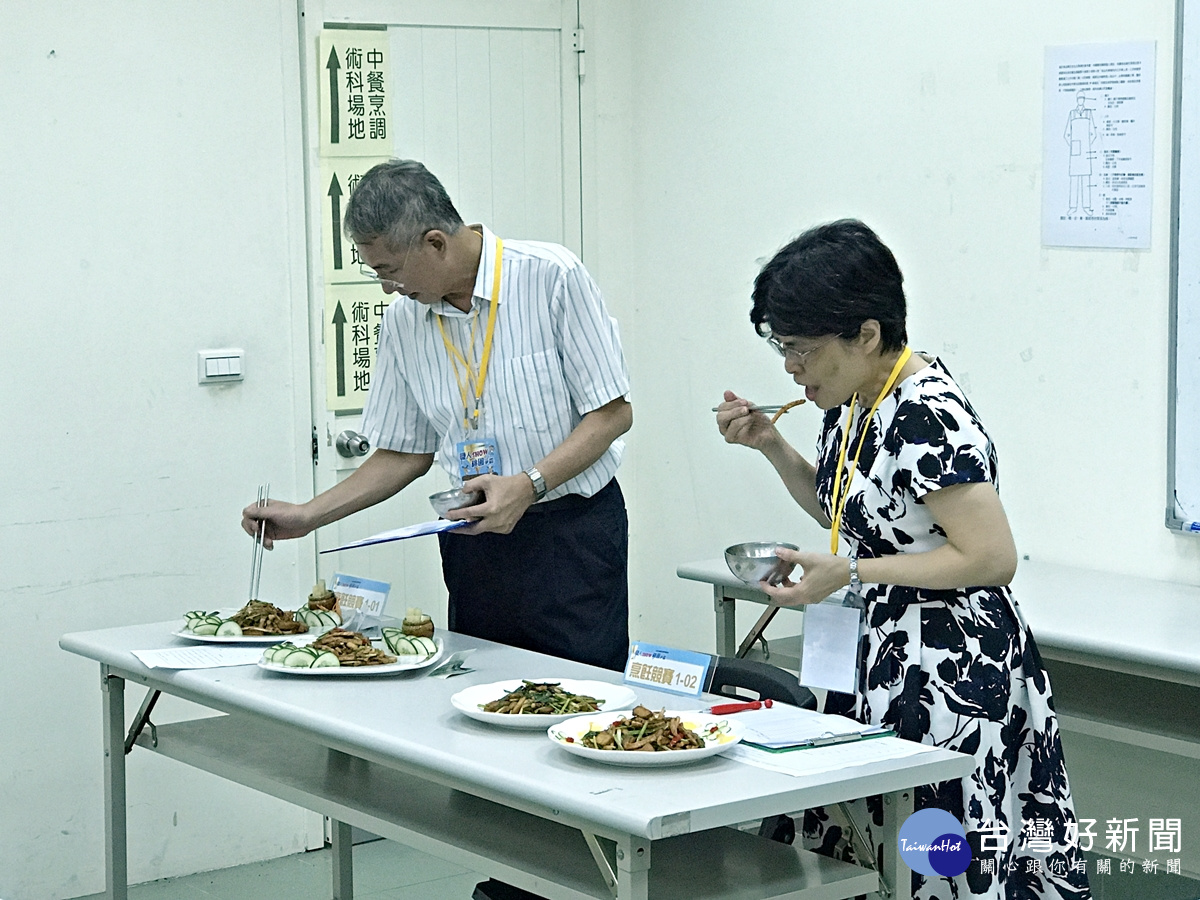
{"points": [[335, 201], [339, 324], [333, 66]]}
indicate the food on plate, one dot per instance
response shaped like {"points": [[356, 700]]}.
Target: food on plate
{"points": [[785, 408], [322, 609], [646, 731], [334, 648], [254, 619], [408, 644], [417, 623], [322, 597], [541, 698]]}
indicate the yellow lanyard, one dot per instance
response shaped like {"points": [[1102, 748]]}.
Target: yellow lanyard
{"points": [[839, 509], [469, 379]]}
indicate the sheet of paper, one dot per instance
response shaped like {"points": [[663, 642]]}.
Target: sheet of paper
{"points": [[816, 760], [1098, 145], [207, 656], [399, 534], [785, 726], [829, 657]]}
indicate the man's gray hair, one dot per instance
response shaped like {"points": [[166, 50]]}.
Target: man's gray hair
{"points": [[399, 200]]}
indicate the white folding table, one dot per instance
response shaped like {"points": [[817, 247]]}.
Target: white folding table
{"points": [[390, 754]]}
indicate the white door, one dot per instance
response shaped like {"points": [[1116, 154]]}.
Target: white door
{"points": [[486, 95]]}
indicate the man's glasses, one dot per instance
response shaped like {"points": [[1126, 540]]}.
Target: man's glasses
{"points": [[799, 356], [368, 272]]}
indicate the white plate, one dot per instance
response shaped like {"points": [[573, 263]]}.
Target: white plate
{"points": [[468, 701], [729, 733], [300, 639], [400, 665]]}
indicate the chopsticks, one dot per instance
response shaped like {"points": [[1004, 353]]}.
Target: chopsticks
{"points": [[762, 409], [256, 559]]}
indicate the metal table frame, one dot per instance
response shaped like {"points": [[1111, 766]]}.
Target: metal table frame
{"points": [[605, 823]]}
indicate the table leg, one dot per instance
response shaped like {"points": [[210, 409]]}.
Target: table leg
{"points": [[343, 860], [116, 867], [633, 868], [895, 877], [726, 628]]}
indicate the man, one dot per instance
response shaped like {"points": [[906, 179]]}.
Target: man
{"points": [[504, 365]]}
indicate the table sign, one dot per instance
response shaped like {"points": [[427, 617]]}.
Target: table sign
{"points": [[667, 669], [361, 601]]}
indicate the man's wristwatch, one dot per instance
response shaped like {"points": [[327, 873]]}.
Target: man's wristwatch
{"points": [[855, 581], [539, 483]]}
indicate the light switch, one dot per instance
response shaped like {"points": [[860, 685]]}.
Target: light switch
{"points": [[219, 366]]}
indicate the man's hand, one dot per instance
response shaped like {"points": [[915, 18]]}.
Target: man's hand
{"points": [[822, 574], [506, 497], [283, 521]]}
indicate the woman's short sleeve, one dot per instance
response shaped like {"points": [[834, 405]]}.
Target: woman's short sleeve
{"points": [[937, 440]]}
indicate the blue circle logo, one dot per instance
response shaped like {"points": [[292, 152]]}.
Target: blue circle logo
{"points": [[934, 843]]}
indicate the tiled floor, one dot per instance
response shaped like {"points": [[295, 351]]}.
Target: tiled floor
{"points": [[383, 870]]}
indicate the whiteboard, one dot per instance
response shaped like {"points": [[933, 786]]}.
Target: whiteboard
{"points": [[1183, 407]]}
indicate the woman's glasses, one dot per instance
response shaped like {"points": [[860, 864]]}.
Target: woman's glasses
{"points": [[799, 356]]}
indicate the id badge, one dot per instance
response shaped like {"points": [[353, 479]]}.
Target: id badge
{"points": [[830, 655], [477, 453], [478, 456]]}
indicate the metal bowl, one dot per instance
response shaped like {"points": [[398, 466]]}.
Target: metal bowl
{"points": [[756, 561], [444, 501]]}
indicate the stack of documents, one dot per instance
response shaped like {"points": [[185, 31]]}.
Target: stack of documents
{"points": [[783, 727]]}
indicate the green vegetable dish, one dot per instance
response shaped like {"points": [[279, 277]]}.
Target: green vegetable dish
{"points": [[544, 698]]}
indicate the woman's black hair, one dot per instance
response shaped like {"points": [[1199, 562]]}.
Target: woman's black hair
{"points": [[830, 280]]}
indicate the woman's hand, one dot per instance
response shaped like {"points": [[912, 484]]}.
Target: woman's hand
{"points": [[821, 575], [740, 423]]}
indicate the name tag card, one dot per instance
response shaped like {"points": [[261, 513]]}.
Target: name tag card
{"points": [[829, 655], [480, 457], [667, 669], [361, 601]]}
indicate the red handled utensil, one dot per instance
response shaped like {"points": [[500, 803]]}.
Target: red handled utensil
{"points": [[723, 709]]}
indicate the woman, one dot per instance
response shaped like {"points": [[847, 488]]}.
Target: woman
{"points": [[905, 476]]}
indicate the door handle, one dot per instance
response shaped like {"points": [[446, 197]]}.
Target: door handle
{"points": [[351, 444]]}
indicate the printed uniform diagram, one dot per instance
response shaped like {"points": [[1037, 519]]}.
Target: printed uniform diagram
{"points": [[1080, 134]]}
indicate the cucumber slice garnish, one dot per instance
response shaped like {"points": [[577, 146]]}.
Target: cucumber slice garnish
{"points": [[326, 660], [299, 659], [205, 628], [229, 628]]}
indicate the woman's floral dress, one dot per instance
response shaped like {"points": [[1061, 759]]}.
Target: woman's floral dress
{"points": [[953, 668]]}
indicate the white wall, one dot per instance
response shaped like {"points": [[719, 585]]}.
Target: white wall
{"points": [[149, 169], [742, 124], [150, 182]]}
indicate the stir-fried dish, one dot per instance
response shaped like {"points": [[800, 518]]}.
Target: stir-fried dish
{"points": [[351, 648], [257, 617], [542, 698], [644, 730]]}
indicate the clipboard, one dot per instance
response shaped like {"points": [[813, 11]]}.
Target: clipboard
{"points": [[828, 739], [400, 534]]}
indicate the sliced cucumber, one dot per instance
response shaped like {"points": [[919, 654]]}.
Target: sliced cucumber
{"points": [[325, 660], [298, 659], [327, 618], [274, 654], [229, 628], [406, 644], [428, 647], [205, 627]]}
